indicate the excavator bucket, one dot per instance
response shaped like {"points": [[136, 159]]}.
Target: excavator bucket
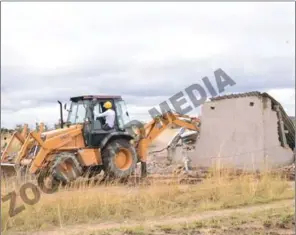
{"points": [[11, 149]]}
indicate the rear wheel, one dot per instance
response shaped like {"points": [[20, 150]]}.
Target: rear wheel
{"points": [[119, 159]]}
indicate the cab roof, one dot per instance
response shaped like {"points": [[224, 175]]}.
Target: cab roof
{"points": [[99, 97]]}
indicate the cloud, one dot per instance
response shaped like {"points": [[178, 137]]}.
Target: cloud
{"points": [[145, 52]]}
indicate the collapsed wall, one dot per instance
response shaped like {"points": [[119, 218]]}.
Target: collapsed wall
{"points": [[249, 131]]}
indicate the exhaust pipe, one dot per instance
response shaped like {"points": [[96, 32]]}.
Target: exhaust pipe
{"points": [[61, 113]]}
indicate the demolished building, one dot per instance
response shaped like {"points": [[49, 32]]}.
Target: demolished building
{"points": [[250, 131]]}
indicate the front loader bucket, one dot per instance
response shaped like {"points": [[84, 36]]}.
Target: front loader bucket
{"points": [[8, 170], [18, 147], [9, 153]]}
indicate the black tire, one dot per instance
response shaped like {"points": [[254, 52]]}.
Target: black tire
{"points": [[43, 175], [114, 150], [53, 173]]}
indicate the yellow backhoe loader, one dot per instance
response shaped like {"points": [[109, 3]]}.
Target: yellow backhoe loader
{"points": [[82, 147]]}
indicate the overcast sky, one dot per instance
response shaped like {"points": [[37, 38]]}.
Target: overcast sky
{"points": [[145, 52]]}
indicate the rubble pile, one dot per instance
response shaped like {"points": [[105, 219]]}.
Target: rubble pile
{"points": [[286, 171]]}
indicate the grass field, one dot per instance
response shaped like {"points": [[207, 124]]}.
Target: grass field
{"points": [[119, 204]]}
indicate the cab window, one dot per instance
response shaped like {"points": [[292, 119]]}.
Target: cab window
{"points": [[122, 114], [77, 112]]}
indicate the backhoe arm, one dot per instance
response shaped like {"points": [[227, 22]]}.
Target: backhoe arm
{"points": [[153, 129]]}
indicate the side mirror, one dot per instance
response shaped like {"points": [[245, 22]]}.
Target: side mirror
{"points": [[127, 114], [65, 106]]}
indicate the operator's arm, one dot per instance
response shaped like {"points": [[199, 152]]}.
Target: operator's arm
{"points": [[104, 114]]}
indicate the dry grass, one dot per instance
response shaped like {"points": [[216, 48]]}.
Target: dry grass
{"points": [[271, 221], [122, 203]]}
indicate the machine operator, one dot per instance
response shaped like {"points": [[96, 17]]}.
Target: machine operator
{"points": [[109, 115]]}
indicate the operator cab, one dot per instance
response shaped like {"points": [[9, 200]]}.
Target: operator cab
{"points": [[84, 110]]}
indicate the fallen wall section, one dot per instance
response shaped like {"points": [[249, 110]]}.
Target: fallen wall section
{"points": [[249, 131]]}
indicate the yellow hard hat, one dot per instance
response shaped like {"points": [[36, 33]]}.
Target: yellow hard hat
{"points": [[108, 105]]}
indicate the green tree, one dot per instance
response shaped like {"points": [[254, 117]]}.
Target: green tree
{"points": [[19, 128], [37, 126]]}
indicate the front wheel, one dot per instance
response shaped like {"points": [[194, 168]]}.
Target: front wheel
{"points": [[119, 158], [47, 183]]}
